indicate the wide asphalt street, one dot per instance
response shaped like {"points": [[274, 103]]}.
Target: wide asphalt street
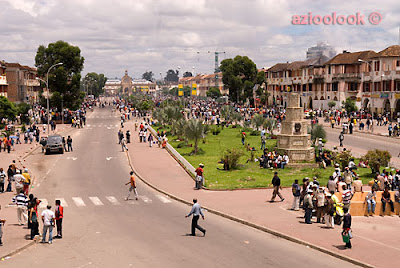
{"points": [[101, 229]]}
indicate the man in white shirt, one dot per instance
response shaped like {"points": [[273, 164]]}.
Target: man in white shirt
{"points": [[19, 181], [48, 223]]}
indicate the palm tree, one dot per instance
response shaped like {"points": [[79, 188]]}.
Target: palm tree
{"points": [[258, 120], [194, 131], [227, 112], [317, 131], [270, 125], [236, 117], [178, 128]]}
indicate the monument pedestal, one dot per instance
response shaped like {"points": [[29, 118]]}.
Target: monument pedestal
{"points": [[294, 139]]}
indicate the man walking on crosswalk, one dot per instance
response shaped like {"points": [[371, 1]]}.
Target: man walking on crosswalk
{"points": [[132, 182], [196, 211]]}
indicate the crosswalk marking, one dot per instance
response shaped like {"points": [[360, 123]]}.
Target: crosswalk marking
{"points": [[96, 201], [163, 199], [145, 199], [43, 204], [78, 201], [63, 202], [113, 200]]}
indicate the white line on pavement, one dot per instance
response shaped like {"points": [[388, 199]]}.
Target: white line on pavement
{"points": [[163, 199], [63, 202], [113, 200], [145, 199], [78, 201], [96, 201]]}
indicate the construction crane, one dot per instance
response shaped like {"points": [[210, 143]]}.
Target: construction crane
{"points": [[216, 54]]}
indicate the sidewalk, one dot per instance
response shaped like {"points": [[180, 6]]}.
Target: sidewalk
{"points": [[157, 167], [16, 237]]}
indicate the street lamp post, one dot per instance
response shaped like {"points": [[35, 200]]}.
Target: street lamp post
{"points": [[48, 91]]}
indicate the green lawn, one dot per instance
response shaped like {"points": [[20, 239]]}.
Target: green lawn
{"points": [[248, 175]]}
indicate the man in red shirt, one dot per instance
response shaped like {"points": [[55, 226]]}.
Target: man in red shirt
{"points": [[59, 213], [199, 176]]}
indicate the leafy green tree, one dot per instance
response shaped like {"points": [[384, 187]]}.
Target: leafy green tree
{"points": [[231, 158], [236, 117], [187, 74], [65, 78], [270, 125], [240, 75], [172, 76], [95, 83], [23, 109], [317, 132], [214, 93], [187, 91], [349, 105], [258, 120], [377, 158], [331, 104], [148, 75], [178, 128], [173, 91], [227, 112], [7, 109], [194, 131], [343, 159]]}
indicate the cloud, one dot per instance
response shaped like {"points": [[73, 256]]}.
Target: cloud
{"points": [[161, 34]]}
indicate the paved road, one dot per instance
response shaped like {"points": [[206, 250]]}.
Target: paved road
{"points": [[360, 143], [103, 230]]}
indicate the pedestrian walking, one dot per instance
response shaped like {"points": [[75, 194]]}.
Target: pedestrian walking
{"points": [[341, 138], [132, 182], [276, 182], [150, 140], [21, 201], [69, 143], [196, 212], [199, 176], [296, 195], [2, 222], [2, 180], [33, 220], [346, 233], [128, 136], [48, 224], [59, 215], [123, 145]]}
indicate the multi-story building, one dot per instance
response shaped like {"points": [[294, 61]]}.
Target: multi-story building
{"points": [[204, 82], [128, 85], [112, 87], [144, 86], [3, 79], [371, 79], [22, 83]]}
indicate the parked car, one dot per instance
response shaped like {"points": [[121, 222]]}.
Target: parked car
{"points": [[54, 144]]}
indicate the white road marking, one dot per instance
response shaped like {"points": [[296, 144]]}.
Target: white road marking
{"points": [[63, 202], [88, 125], [43, 204], [113, 200], [73, 158], [163, 199], [109, 158], [145, 199], [108, 128], [78, 202], [96, 201], [116, 125]]}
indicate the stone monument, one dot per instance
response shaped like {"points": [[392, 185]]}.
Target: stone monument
{"points": [[294, 139]]}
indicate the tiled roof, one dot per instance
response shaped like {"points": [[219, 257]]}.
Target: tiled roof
{"points": [[352, 58], [392, 51], [278, 67]]}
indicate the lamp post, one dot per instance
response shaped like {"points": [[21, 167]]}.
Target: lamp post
{"points": [[48, 91], [370, 66]]}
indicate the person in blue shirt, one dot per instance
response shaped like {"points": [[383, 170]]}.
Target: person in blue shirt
{"points": [[296, 195], [196, 211]]}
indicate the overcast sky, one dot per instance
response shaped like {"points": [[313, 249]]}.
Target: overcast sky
{"points": [[158, 35]]}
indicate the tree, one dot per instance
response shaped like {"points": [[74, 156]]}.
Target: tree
{"points": [[331, 104], [7, 108], [349, 105], [227, 112], [65, 78], [240, 75], [258, 120], [194, 131], [148, 75], [317, 132], [172, 76], [270, 125], [23, 109], [213, 92], [377, 158], [95, 83], [173, 91], [187, 91], [343, 159], [187, 74]]}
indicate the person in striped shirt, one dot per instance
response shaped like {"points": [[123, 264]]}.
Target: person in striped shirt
{"points": [[21, 201]]}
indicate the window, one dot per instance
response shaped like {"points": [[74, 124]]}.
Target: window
{"points": [[353, 87], [335, 86], [304, 87], [397, 85], [329, 70], [328, 87], [366, 87], [377, 66], [309, 87], [386, 85], [397, 63], [377, 86]]}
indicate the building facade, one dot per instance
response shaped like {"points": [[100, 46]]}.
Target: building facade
{"points": [[112, 87], [371, 79], [22, 84], [204, 82], [128, 85], [3, 79]]}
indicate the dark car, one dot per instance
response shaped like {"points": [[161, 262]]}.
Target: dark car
{"points": [[54, 144]]}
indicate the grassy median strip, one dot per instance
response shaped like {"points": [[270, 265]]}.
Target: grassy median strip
{"points": [[248, 174]]}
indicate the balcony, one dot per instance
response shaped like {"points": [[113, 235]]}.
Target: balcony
{"points": [[3, 80], [31, 83]]}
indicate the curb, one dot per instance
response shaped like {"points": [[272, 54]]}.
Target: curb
{"points": [[3, 258], [253, 225]]}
